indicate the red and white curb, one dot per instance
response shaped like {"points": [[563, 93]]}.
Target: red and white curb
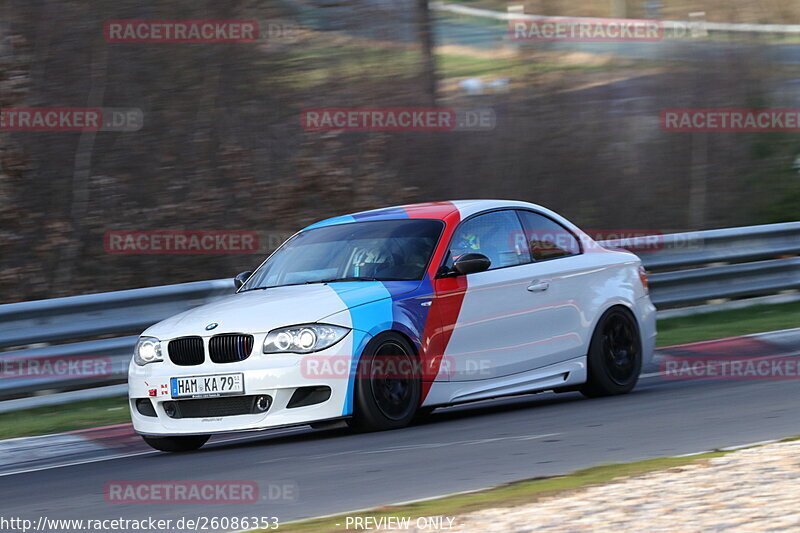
{"points": [[32, 454], [45, 451]]}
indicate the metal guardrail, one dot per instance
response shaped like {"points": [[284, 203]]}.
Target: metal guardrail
{"points": [[699, 248], [695, 267], [33, 326], [686, 268], [672, 289], [678, 27], [92, 315]]}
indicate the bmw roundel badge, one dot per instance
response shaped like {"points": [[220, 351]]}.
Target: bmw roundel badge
{"points": [[211, 326]]}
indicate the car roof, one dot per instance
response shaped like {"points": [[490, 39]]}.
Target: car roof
{"points": [[431, 210]]}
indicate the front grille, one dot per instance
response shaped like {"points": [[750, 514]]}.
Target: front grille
{"points": [[230, 347], [186, 351], [213, 407]]}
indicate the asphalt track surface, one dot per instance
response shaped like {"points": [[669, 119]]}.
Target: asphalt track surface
{"points": [[457, 449]]}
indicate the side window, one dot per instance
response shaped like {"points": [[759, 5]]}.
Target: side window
{"points": [[495, 235], [546, 238]]}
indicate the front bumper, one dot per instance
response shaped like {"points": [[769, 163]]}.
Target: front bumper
{"points": [[274, 375]]}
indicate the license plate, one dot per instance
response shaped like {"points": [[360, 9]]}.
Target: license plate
{"points": [[207, 386]]}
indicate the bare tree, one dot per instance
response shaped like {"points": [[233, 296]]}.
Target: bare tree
{"points": [[426, 40]]}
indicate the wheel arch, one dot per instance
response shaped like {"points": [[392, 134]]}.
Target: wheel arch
{"points": [[618, 303], [415, 350], [363, 398]]}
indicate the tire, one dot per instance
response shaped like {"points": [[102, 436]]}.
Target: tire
{"points": [[177, 444], [422, 415], [386, 400], [615, 355]]}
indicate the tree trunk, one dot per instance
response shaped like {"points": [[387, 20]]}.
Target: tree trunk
{"points": [[426, 40]]}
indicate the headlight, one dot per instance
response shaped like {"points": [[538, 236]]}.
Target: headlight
{"points": [[303, 339], [148, 350]]}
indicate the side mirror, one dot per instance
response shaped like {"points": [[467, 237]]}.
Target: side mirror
{"points": [[241, 278], [472, 263]]}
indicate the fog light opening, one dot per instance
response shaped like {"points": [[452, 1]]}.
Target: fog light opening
{"points": [[262, 403], [145, 407], [170, 409]]}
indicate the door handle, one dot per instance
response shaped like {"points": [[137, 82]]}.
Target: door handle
{"points": [[538, 286]]}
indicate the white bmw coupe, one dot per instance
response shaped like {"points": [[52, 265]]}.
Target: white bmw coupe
{"points": [[377, 317]]}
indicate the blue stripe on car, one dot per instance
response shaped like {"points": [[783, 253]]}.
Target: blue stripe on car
{"points": [[390, 213], [384, 306], [366, 320], [331, 222]]}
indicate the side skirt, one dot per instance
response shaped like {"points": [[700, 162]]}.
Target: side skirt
{"points": [[566, 374]]}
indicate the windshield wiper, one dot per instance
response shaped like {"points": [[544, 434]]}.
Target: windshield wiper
{"points": [[351, 278]]}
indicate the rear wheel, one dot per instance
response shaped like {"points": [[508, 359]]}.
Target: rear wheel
{"points": [[615, 355], [388, 385], [177, 444]]}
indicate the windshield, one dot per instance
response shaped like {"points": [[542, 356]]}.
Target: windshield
{"points": [[385, 250]]}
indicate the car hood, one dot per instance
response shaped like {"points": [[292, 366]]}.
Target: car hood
{"points": [[260, 311]]}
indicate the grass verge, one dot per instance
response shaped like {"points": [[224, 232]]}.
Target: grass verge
{"points": [[310, 68], [504, 496], [59, 418], [721, 324]]}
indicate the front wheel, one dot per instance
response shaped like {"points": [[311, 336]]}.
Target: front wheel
{"points": [[387, 385], [615, 355], [177, 444]]}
